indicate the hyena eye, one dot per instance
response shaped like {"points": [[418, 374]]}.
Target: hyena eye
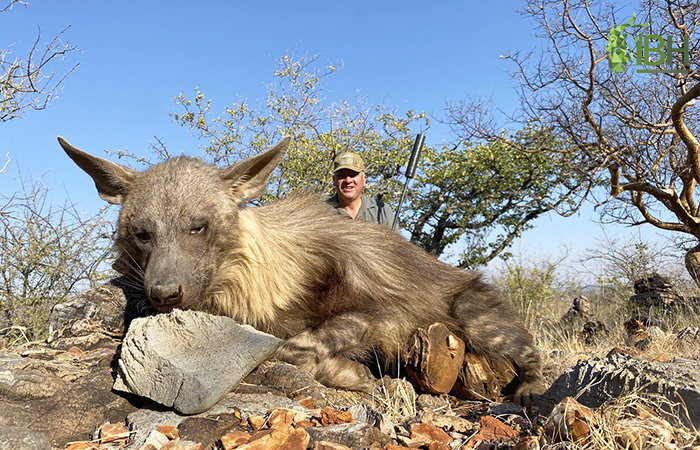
{"points": [[143, 235], [198, 230]]}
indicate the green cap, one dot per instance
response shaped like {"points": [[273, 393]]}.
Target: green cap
{"points": [[348, 160]]}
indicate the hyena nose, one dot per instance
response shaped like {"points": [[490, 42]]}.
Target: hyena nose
{"points": [[166, 294]]}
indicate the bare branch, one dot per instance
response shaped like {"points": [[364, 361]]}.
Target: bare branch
{"points": [[27, 84], [685, 134], [4, 167], [11, 4]]}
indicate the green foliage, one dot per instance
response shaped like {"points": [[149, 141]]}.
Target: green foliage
{"points": [[531, 287], [47, 252], [295, 106], [483, 196]]}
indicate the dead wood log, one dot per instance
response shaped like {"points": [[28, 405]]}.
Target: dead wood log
{"points": [[438, 362], [483, 378], [435, 359]]}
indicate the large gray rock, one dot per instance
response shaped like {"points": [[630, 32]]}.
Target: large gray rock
{"points": [[15, 438], [597, 380], [109, 307], [189, 360], [657, 291]]}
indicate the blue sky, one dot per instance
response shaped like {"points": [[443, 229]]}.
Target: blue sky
{"points": [[138, 56]]}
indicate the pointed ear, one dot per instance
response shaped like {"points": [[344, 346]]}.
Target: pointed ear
{"points": [[112, 180], [248, 178]]}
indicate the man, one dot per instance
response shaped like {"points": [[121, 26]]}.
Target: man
{"points": [[349, 181]]}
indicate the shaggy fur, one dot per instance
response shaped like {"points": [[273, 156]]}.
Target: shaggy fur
{"points": [[337, 290]]}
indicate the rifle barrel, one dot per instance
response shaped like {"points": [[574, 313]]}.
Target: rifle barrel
{"points": [[410, 172]]}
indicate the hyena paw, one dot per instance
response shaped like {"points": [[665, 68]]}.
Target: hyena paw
{"points": [[345, 374], [528, 393]]}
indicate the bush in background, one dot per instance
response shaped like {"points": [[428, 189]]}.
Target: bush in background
{"points": [[48, 252]]}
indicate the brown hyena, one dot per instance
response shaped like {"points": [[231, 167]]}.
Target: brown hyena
{"points": [[336, 290]]}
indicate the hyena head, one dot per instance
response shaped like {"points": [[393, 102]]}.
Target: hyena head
{"points": [[177, 218]]}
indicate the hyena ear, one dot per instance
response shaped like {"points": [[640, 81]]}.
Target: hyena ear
{"points": [[248, 178], [112, 180]]}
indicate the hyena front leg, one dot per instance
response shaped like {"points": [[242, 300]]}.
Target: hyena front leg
{"points": [[330, 352]]}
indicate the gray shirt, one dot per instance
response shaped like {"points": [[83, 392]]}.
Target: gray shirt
{"points": [[371, 210]]}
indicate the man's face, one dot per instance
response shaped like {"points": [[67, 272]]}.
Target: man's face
{"points": [[349, 184]]}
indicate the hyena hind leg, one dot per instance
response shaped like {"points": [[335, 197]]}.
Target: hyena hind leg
{"points": [[330, 353]]}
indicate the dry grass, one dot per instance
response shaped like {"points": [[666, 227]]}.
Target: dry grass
{"points": [[543, 301], [397, 399], [643, 410]]}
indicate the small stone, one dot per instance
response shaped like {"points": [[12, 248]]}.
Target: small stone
{"points": [[435, 402], [637, 334], [182, 445], [528, 443], [435, 445], [408, 442], [114, 432], [280, 418], [425, 432], [75, 352], [305, 424], [82, 446], [256, 422], [305, 400], [150, 447], [288, 438], [570, 421], [500, 409], [331, 416], [325, 445], [298, 440], [207, 430], [261, 434], [445, 422], [365, 414], [156, 439], [484, 445], [491, 430], [169, 431], [234, 439], [593, 332]]}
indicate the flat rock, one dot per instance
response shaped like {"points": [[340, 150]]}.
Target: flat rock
{"points": [[189, 360], [595, 381], [62, 396]]}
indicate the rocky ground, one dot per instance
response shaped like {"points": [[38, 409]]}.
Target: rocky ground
{"points": [[58, 394]]}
